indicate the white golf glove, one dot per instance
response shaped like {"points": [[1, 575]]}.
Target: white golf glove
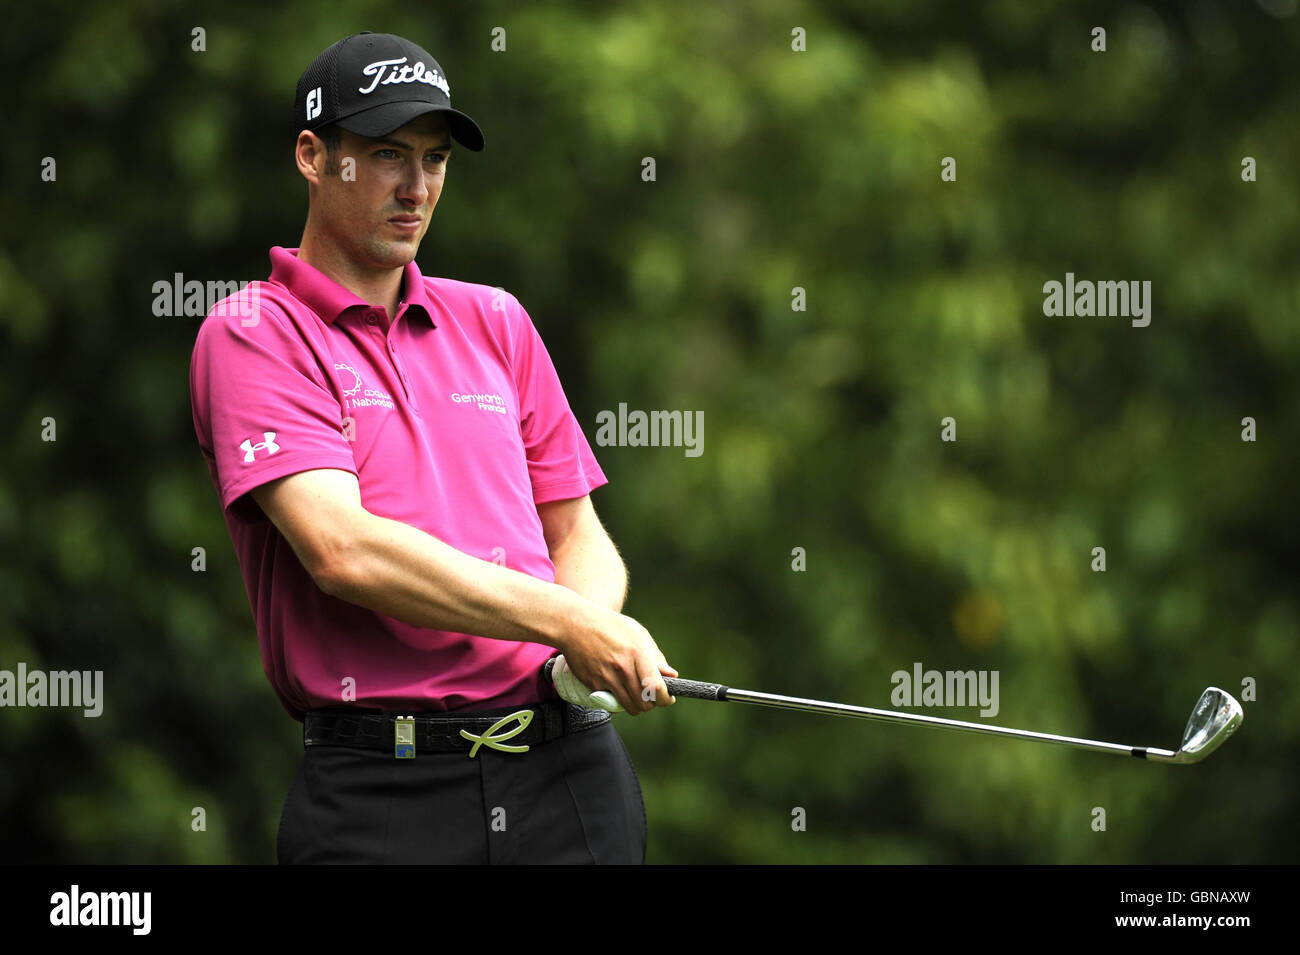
{"points": [[567, 685]]}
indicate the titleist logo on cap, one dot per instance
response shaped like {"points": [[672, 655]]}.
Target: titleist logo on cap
{"points": [[406, 74]]}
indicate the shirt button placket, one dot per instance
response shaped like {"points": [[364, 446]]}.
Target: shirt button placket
{"points": [[406, 387]]}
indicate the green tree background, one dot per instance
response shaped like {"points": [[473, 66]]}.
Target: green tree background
{"points": [[776, 169]]}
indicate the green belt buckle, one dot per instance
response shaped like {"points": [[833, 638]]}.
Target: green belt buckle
{"points": [[498, 741], [404, 734]]}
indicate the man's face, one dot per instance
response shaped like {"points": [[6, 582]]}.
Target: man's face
{"points": [[379, 218]]}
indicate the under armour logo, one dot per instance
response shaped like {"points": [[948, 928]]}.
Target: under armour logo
{"points": [[313, 104], [250, 449], [498, 742]]}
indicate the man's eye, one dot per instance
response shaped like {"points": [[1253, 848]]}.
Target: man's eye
{"points": [[393, 154]]}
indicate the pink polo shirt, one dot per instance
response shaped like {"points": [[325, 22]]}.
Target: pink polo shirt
{"points": [[453, 420]]}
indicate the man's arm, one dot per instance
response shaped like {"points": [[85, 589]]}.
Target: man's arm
{"points": [[585, 558], [399, 570]]}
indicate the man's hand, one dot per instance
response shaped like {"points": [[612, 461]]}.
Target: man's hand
{"points": [[567, 685], [610, 651]]}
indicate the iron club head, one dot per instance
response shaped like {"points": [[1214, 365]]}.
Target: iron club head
{"points": [[1215, 717]]}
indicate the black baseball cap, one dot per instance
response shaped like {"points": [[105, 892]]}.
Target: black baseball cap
{"points": [[372, 83]]}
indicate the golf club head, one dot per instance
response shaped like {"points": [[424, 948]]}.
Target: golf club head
{"points": [[1216, 717]]}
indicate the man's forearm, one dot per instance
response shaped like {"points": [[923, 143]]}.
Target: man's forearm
{"points": [[398, 570], [589, 564]]}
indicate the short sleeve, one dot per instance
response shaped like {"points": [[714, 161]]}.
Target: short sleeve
{"points": [[561, 463], [262, 408]]}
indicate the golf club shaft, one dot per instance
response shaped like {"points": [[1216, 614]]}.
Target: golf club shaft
{"points": [[717, 692]]}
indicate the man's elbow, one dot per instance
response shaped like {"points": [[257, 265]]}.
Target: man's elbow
{"points": [[335, 564], [332, 582], [319, 512]]}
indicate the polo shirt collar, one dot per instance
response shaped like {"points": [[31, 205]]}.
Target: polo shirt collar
{"points": [[327, 298]]}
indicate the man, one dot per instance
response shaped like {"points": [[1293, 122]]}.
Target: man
{"points": [[407, 492]]}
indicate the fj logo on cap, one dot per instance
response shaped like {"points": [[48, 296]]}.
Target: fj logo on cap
{"points": [[406, 74], [313, 104]]}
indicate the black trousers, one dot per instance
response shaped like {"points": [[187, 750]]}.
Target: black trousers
{"points": [[575, 799]]}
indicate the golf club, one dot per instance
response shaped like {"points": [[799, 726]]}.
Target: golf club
{"points": [[1215, 717]]}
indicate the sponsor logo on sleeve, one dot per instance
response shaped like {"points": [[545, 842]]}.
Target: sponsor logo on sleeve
{"points": [[267, 444]]}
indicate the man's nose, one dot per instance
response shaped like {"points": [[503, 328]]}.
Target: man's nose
{"points": [[413, 188]]}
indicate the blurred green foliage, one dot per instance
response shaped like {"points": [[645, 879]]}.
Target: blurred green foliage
{"points": [[775, 169]]}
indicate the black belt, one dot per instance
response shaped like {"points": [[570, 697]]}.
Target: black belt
{"points": [[507, 730]]}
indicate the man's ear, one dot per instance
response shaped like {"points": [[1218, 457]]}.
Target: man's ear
{"points": [[310, 156]]}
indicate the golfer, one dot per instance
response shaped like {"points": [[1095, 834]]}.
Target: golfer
{"points": [[408, 495]]}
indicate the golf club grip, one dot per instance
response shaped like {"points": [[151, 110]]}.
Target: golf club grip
{"points": [[691, 689], [695, 690]]}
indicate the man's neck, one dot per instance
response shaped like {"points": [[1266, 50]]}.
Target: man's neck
{"points": [[378, 287]]}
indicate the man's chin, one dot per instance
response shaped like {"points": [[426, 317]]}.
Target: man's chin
{"points": [[396, 254]]}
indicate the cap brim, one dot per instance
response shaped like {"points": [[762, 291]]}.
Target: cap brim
{"points": [[382, 120]]}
